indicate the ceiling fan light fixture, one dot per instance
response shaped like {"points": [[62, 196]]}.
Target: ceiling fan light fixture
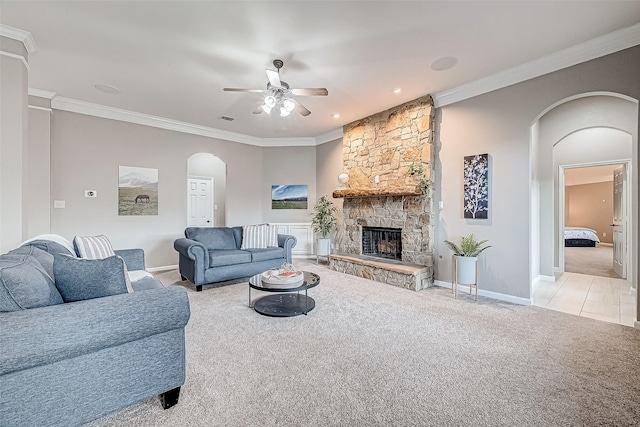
{"points": [[270, 101], [266, 109], [289, 105], [284, 112]]}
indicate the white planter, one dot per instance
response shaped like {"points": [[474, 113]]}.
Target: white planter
{"points": [[466, 270], [324, 247]]}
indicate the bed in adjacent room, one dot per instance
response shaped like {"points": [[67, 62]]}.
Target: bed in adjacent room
{"points": [[580, 236]]}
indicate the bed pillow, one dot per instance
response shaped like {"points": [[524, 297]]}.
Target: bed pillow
{"points": [[259, 236], [93, 247], [79, 279]]}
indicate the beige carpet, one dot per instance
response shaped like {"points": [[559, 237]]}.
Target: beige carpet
{"points": [[371, 354], [596, 261]]}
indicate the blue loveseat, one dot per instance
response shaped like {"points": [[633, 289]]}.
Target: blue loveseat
{"points": [[214, 254], [67, 363]]}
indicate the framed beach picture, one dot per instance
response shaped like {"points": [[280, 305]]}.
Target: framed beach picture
{"points": [[476, 186], [289, 196], [137, 191]]}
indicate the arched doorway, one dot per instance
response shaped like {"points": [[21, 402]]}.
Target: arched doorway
{"points": [[567, 123], [206, 173]]}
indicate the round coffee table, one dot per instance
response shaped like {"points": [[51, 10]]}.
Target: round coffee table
{"points": [[287, 302]]}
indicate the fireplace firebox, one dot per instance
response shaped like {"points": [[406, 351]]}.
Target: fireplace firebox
{"points": [[382, 242]]}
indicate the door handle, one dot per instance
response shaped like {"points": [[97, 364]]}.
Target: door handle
{"points": [[612, 225]]}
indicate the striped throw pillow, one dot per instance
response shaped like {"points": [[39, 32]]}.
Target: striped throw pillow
{"points": [[254, 237], [93, 247], [272, 236]]}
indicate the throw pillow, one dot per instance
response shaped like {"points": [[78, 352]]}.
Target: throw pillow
{"points": [[93, 247], [79, 279], [254, 236], [272, 236]]}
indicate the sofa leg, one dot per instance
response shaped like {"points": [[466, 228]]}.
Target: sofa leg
{"points": [[183, 278], [170, 398], [198, 288]]}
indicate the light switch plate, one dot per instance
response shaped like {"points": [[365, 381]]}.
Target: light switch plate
{"points": [[58, 204], [90, 193]]}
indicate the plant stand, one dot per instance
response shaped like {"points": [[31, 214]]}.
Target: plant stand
{"points": [[454, 278]]}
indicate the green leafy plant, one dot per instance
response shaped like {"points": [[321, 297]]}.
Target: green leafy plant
{"points": [[323, 218], [468, 246], [417, 170]]}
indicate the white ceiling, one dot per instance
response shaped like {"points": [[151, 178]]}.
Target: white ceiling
{"points": [[171, 59]]}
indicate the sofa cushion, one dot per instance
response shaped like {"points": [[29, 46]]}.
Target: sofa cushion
{"points": [[212, 237], [266, 254], [93, 247], [218, 258], [80, 279], [146, 283], [25, 282]]}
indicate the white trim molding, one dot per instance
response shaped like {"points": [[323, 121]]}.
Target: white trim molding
{"points": [[13, 55], [162, 268], [39, 93], [23, 36], [488, 294], [96, 110], [542, 278], [36, 107], [591, 49]]}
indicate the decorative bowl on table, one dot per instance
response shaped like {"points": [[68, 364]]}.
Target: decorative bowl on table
{"points": [[281, 278]]}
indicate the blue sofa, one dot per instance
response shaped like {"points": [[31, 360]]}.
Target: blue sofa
{"points": [[212, 254], [67, 363]]}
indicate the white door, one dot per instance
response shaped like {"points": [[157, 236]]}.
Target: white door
{"points": [[619, 234], [200, 202]]}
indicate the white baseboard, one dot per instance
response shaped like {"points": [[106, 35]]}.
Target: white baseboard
{"points": [[162, 268], [489, 294], [543, 278], [605, 244]]}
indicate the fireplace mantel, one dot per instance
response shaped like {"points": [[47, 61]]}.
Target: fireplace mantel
{"points": [[376, 192]]}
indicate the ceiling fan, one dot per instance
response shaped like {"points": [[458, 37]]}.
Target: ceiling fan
{"points": [[279, 94]]}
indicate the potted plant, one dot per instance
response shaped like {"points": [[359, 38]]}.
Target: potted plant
{"points": [[466, 253], [323, 220]]}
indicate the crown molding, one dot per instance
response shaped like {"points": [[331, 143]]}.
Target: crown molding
{"points": [[16, 34], [96, 110], [39, 93], [18, 57], [329, 136], [591, 49]]}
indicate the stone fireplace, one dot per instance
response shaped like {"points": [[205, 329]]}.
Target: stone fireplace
{"points": [[378, 154]]}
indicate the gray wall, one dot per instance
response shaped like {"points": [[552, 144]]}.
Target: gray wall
{"points": [[282, 166], [328, 166], [85, 154], [500, 123], [14, 183], [39, 165]]}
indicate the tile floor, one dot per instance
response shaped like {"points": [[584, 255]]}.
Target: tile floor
{"points": [[602, 298]]}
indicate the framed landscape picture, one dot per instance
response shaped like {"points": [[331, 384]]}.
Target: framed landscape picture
{"points": [[289, 196], [137, 191], [476, 186]]}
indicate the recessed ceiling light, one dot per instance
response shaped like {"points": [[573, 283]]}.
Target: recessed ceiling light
{"points": [[445, 63], [108, 89], [396, 90], [335, 116]]}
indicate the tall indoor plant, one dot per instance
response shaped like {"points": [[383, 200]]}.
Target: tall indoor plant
{"points": [[323, 220], [466, 253]]}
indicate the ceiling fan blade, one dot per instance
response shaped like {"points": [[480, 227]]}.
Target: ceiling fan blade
{"points": [[301, 109], [235, 89], [318, 91], [258, 110], [274, 78]]}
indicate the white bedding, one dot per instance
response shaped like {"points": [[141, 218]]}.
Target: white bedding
{"points": [[581, 233]]}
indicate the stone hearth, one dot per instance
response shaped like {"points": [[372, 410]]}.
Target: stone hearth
{"points": [[377, 154]]}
